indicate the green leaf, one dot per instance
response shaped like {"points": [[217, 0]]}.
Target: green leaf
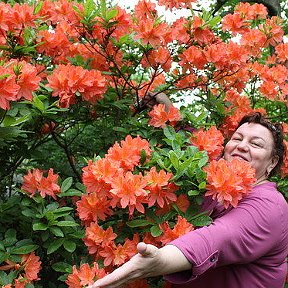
{"points": [[56, 231], [70, 193], [202, 185], [62, 267], [24, 249], [214, 21], [202, 220], [38, 104], [169, 132], [38, 7], [60, 212], [10, 233], [193, 192], [174, 159], [67, 224], [143, 156], [2, 247], [28, 213], [67, 183], [69, 246], [12, 121], [139, 223], [55, 245], [39, 226], [155, 231], [111, 14]]}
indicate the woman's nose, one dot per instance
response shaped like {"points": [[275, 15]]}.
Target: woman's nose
{"points": [[242, 145]]}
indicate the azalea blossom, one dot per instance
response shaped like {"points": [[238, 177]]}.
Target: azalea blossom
{"points": [[210, 140], [127, 154], [229, 181], [160, 117], [35, 181], [181, 227], [85, 275]]}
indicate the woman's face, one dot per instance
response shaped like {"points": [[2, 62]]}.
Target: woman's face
{"points": [[254, 143]]}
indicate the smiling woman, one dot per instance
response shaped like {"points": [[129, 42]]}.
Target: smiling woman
{"points": [[246, 245], [255, 143]]}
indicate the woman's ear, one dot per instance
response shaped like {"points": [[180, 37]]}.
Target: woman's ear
{"points": [[273, 163]]}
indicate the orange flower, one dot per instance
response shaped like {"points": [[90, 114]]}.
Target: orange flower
{"points": [[90, 207], [128, 153], [254, 40], [35, 181], [150, 32], [170, 4], [211, 141], [156, 58], [22, 15], [161, 190], [8, 87], [193, 56], [181, 227], [32, 266], [251, 11], [96, 236], [234, 23], [145, 9], [97, 176], [129, 191], [229, 181], [66, 80], [117, 255], [273, 30], [84, 276], [54, 43], [62, 10], [182, 202], [159, 116], [282, 51]]}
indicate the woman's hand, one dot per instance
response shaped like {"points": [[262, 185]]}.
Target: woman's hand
{"points": [[152, 99], [150, 261]]}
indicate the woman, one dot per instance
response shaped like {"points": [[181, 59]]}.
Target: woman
{"points": [[244, 247]]}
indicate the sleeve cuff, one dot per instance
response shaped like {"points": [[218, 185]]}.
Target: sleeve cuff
{"points": [[187, 276]]}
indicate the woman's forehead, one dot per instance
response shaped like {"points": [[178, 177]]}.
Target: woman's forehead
{"points": [[255, 130]]}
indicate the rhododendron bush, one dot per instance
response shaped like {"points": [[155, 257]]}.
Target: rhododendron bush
{"points": [[91, 164]]}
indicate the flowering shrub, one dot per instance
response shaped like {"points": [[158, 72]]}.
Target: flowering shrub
{"points": [[87, 170]]}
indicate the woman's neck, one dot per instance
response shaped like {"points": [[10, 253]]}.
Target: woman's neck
{"points": [[261, 181]]}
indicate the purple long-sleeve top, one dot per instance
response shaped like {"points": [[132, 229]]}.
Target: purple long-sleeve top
{"points": [[244, 247]]}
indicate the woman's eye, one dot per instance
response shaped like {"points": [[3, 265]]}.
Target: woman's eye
{"points": [[256, 144]]}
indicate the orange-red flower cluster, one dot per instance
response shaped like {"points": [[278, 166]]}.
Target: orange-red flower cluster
{"points": [[17, 81], [211, 141], [35, 181], [101, 244], [238, 107], [160, 117], [170, 4], [229, 181], [28, 269], [84, 276], [110, 182], [181, 227], [67, 80], [239, 21]]}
